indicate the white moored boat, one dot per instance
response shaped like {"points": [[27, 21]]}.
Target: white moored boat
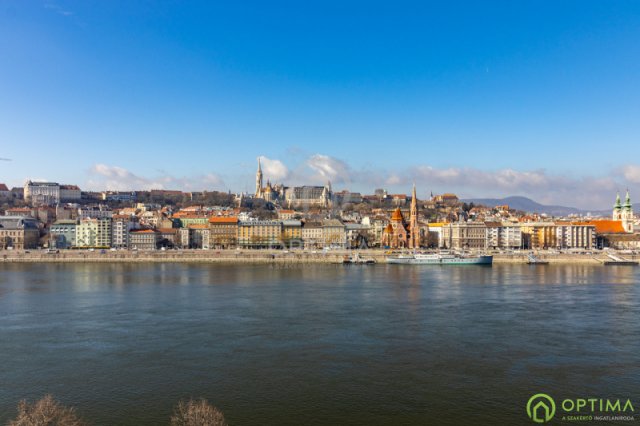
{"points": [[439, 259]]}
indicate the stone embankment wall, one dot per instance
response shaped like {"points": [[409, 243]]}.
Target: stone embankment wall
{"points": [[260, 256]]}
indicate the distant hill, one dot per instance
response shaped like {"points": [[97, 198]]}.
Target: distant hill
{"points": [[529, 206]]}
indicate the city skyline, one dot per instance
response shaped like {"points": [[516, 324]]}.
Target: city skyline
{"points": [[479, 100]]}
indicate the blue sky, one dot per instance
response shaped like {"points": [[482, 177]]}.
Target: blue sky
{"points": [[479, 98]]}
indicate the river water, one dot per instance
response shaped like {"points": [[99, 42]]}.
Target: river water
{"points": [[317, 345]]}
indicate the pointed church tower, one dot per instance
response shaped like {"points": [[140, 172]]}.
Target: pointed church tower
{"points": [[627, 214], [617, 209], [414, 228], [259, 180]]}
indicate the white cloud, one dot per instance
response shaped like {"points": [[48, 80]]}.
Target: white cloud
{"points": [[106, 177], [329, 168], [595, 192], [274, 170], [58, 9], [631, 173]]}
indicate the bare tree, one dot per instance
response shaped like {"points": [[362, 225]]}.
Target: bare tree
{"points": [[197, 413], [45, 412]]}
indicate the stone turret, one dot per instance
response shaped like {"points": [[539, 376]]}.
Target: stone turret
{"points": [[259, 180], [414, 228]]}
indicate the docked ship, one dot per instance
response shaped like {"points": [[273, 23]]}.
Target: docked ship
{"points": [[439, 259]]}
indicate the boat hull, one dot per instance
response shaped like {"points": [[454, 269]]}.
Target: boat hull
{"points": [[478, 260]]}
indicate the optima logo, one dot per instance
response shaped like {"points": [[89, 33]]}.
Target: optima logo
{"points": [[541, 408]]}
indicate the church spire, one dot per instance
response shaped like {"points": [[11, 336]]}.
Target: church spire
{"points": [[414, 229], [627, 201], [259, 179], [617, 205]]}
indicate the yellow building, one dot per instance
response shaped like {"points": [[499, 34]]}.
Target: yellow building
{"points": [[292, 233], [223, 231], [259, 234]]}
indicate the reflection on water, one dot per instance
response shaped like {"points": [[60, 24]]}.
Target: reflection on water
{"points": [[323, 344]]}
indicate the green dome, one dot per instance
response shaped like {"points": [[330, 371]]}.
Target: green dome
{"points": [[617, 205], [627, 201]]}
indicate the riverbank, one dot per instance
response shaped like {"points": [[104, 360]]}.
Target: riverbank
{"points": [[265, 256]]}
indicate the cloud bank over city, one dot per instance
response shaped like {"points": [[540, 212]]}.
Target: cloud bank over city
{"points": [[114, 178], [594, 192]]}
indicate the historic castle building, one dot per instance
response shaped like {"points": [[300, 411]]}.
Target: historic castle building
{"points": [[624, 212], [271, 193], [297, 196], [399, 234]]}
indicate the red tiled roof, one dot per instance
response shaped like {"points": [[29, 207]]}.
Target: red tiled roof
{"points": [[168, 230], [604, 226], [3, 187], [215, 219], [198, 226], [397, 215], [188, 216]]}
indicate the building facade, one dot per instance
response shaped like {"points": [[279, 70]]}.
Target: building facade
{"points": [[144, 239], [63, 234], [292, 233], [18, 232], [223, 232], [42, 192], [334, 234], [504, 235], [465, 236], [121, 226], [93, 233], [259, 234], [312, 235]]}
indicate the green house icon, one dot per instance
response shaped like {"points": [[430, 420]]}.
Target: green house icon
{"points": [[541, 408]]}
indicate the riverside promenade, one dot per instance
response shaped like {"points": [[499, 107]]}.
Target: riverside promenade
{"points": [[266, 256]]}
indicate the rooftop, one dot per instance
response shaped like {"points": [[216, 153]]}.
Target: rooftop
{"points": [[216, 219]]}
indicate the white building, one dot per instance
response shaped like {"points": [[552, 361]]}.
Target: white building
{"points": [[504, 235], [42, 192], [50, 192], [575, 235], [93, 233], [95, 212], [121, 226], [624, 213], [70, 193]]}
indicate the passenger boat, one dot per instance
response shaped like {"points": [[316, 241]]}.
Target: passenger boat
{"points": [[356, 259], [440, 259]]}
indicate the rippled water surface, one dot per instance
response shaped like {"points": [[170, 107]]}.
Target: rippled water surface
{"points": [[316, 345]]}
